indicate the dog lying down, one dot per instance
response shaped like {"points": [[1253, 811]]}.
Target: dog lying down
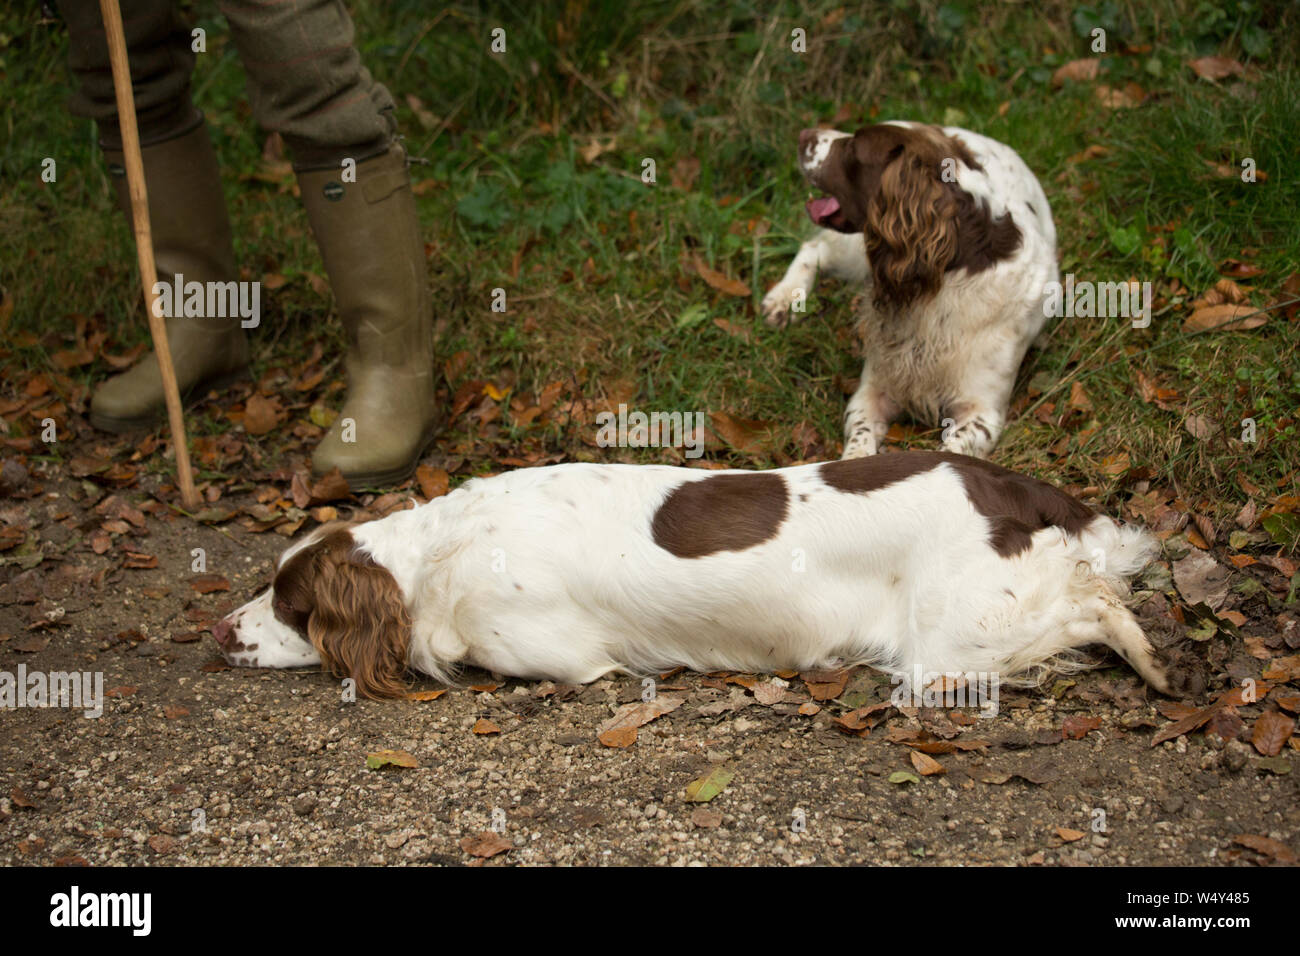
{"points": [[914, 562]]}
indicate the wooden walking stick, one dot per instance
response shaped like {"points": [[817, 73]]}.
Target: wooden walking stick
{"points": [[144, 244]]}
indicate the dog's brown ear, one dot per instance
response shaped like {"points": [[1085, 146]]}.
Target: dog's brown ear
{"points": [[360, 624], [911, 222]]}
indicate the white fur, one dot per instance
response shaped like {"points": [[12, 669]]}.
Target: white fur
{"points": [[952, 359], [554, 573]]}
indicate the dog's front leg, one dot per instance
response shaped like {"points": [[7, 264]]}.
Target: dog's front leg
{"points": [[867, 417], [839, 255]]}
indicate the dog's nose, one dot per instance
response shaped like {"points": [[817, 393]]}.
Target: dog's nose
{"points": [[806, 137], [222, 630]]}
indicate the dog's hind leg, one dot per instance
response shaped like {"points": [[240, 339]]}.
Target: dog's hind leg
{"points": [[1105, 620]]}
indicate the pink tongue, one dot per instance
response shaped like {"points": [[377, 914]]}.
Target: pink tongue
{"points": [[822, 209]]}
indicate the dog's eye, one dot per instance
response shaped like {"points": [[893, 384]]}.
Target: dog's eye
{"points": [[282, 609]]}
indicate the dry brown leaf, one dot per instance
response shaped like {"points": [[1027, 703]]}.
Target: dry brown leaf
{"points": [[1094, 151], [1216, 68], [826, 685], [925, 765], [1114, 98], [705, 818], [262, 414], [1267, 846], [1201, 579], [425, 694], [1069, 836], [1187, 724], [1199, 427], [1224, 318], [745, 435], [1077, 71], [721, 281], [615, 731], [486, 844], [618, 737], [433, 482], [1076, 726], [208, 583], [483, 726], [1271, 732]]}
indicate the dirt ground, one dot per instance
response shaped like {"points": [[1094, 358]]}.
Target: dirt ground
{"points": [[196, 763]]}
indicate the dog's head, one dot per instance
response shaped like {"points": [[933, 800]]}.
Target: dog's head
{"points": [[329, 603], [898, 186]]}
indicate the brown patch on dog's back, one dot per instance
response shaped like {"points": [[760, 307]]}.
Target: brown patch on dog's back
{"points": [[722, 513], [1015, 504], [862, 475]]}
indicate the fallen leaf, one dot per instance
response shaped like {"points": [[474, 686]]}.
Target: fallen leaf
{"points": [[1271, 732], [614, 732], [925, 765], [425, 694], [826, 685], [390, 758], [1076, 726], [746, 436], [1267, 846], [1224, 318], [709, 786], [706, 819], [433, 482], [1068, 835], [1215, 68], [1201, 579], [486, 844], [1113, 98], [485, 727], [1199, 427], [161, 843], [329, 487], [1077, 71], [721, 281], [1187, 724], [208, 583], [262, 414]]}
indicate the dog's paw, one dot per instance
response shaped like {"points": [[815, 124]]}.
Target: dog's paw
{"points": [[859, 446], [973, 438], [778, 306], [1184, 675]]}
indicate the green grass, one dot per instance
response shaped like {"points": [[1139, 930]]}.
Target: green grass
{"points": [[600, 299]]}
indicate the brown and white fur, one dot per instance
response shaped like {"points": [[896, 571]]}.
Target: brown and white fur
{"points": [[913, 561], [953, 238]]}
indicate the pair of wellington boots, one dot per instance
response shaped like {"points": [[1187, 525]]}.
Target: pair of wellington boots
{"points": [[370, 242]]}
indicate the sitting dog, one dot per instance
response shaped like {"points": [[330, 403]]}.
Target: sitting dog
{"points": [[953, 237], [915, 562]]}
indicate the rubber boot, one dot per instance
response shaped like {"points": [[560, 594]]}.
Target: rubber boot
{"points": [[369, 238], [191, 237]]}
